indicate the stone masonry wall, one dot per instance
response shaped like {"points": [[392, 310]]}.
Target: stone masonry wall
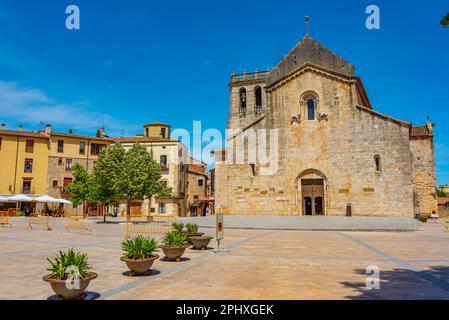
{"points": [[424, 179], [340, 149]]}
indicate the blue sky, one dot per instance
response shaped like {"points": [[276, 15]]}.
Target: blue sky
{"points": [[134, 62]]}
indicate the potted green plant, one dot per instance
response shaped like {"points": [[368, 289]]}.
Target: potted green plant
{"points": [[178, 226], [192, 231], [70, 274], [139, 254], [174, 245]]}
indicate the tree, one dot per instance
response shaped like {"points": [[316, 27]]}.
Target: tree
{"points": [[80, 187], [441, 193], [445, 21], [122, 175], [106, 175], [140, 177]]}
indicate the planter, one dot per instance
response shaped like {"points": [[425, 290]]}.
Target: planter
{"points": [[174, 254], [61, 289], [196, 234], [200, 242], [140, 267]]}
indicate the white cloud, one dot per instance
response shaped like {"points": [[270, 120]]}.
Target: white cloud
{"points": [[30, 105]]}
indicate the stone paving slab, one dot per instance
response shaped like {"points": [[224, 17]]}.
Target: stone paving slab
{"points": [[261, 264], [310, 223]]}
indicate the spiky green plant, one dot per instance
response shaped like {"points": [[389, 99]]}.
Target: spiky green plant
{"points": [[178, 226], [174, 239], [192, 228], [139, 248], [69, 264]]}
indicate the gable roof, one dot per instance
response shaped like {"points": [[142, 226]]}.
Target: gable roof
{"points": [[308, 50]]}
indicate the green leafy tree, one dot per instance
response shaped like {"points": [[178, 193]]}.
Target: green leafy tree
{"points": [[445, 21], [122, 175], [441, 193], [140, 177], [106, 175], [80, 187]]}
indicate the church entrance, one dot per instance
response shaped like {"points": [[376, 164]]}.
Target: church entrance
{"points": [[313, 197]]}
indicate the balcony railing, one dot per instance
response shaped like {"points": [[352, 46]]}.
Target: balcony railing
{"points": [[258, 109], [249, 76]]}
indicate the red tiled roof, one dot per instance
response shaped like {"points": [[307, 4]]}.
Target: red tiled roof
{"points": [[152, 124], [143, 139], [443, 201], [30, 134], [79, 136], [196, 168], [419, 131]]}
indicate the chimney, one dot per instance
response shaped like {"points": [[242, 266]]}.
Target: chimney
{"points": [[48, 129], [102, 133], [20, 127], [3, 126]]}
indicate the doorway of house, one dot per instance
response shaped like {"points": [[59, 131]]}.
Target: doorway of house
{"points": [[313, 197]]}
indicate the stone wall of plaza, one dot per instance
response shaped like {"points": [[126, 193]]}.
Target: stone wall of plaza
{"points": [[350, 154]]}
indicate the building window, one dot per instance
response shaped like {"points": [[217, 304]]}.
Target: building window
{"points": [[310, 109], [55, 183], [147, 132], [164, 183], [378, 162], [163, 161], [68, 164], [95, 149], [200, 182], [163, 132], [0, 143], [60, 146], [242, 96], [60, 161], [258, 95], [161, 207], [28, 166], [26, 187], [82, 147], [29, 147]]}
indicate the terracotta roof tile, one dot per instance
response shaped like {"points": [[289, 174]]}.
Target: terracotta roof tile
{"points": [[143, 139], [30, 134], [419, 131]]}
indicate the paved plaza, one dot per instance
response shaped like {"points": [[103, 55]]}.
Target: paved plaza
{"points": [[261, 264]]}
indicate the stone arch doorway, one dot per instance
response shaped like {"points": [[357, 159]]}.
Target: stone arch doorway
{"points": [[312, 193]]}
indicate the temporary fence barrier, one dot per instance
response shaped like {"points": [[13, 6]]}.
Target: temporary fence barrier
{"points": [[149, 224]]}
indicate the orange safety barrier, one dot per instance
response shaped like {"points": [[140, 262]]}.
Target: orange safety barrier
{"points": [[4, 219], [149, 224], [39, 219]]}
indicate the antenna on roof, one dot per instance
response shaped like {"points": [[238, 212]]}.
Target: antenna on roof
{"points": [[307, 25]]}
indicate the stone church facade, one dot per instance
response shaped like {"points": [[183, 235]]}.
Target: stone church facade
{"points": [[337, 155]]}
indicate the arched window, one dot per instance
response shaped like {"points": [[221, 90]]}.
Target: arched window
{"points": [[309, 105], [242, 96], [310, 109], [258, 94], [378, 162]]}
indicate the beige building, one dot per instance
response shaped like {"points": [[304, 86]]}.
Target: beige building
{"points": [[172, 156], [65, 150], [197, 189], [337, 155]]}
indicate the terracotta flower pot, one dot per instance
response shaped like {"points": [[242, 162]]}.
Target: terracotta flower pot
{"points": [[174, 254], [61, 288], [140, 267], [196, 234], [200, 242]]}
